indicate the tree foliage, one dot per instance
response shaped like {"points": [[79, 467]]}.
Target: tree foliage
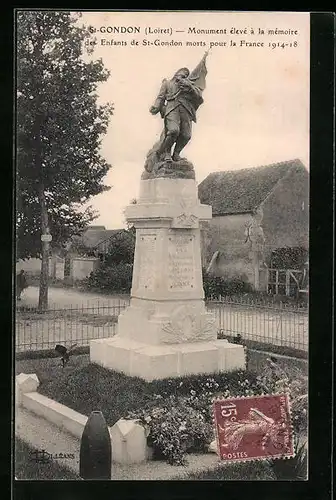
{"points": [[115, 272], [121, 247], [112, 278], [60, 125]]}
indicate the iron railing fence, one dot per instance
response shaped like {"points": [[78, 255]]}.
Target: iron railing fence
{"points": [[261, 321], [68, 326], [283, 325], [265, 301]]}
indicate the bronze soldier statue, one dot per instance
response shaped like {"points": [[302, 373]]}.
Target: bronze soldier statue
{"points": [[177, 103]]}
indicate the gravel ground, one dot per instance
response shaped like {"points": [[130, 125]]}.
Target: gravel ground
{"points": [[40, 434]]}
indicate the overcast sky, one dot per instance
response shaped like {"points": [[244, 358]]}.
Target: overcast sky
{"points": [[256, 104]]}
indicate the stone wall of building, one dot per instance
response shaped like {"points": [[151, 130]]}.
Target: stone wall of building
{"points": [[81, 267], [227, 235], [286, 213]]}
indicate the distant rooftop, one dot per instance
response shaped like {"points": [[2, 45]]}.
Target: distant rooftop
{"points": [[242, 191], [95, 235], [96, 228]]}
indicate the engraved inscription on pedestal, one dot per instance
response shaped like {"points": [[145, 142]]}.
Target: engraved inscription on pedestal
{"points": [[181, 263], [146, 251]]}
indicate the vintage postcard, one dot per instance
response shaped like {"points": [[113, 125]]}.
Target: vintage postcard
{"points": [[162, 245]]}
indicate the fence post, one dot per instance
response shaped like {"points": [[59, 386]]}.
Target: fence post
{"points": [[287, 283], [95, 457], [267, 279], [281, 318]]}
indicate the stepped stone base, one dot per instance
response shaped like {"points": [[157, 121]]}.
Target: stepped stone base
{"points": [[155, 362]]}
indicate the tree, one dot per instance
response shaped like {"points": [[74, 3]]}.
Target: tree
{"points": [[115, 272], [121, 247], [59, 131]]}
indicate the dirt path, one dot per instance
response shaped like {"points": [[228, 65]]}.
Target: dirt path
{"points": [[65, 298]]}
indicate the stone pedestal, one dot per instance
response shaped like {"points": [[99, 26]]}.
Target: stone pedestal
{"points": [[166, 331]]}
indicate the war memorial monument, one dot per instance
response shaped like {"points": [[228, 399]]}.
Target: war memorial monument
{"points": [[167, 331]]}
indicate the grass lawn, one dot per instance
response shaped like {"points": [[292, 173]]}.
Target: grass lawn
{"points": [[253, 471], [25, 467], [280, 470], [87, 387]]}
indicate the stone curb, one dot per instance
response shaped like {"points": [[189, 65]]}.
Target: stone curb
{"points": [[128, 438]]}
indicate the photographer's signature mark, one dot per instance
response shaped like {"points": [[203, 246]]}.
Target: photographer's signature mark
{"points": [[44, 457]]}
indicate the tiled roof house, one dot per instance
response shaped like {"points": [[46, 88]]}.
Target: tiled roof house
{"points": [[271, 201]]}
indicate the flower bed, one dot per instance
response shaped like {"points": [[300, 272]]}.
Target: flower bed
{"points": [[179, 417], [176, 413]]}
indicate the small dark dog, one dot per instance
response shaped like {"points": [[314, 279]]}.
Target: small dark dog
{"points": [[64, 353]]}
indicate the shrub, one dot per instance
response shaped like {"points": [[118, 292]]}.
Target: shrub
{"points": [[235, 383], [110, 278], [174, 428], [214, 286], [275, 379], [121, 247], [179, 417]]}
